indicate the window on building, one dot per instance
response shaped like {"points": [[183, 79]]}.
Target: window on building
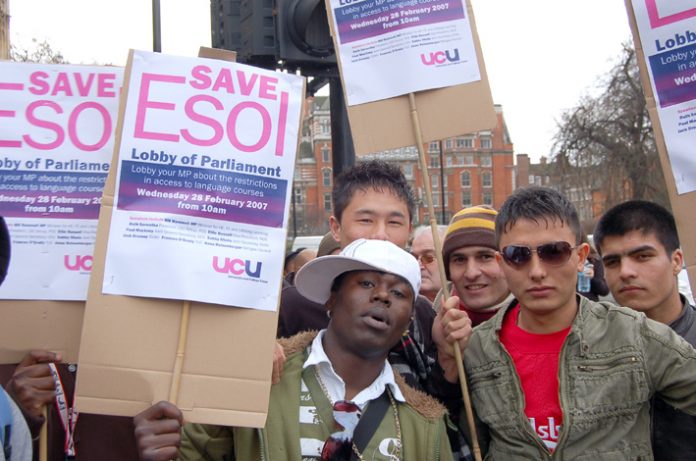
{"points": [[448, 144], [326, 177], [325, 153], [444, 181], [465, 143], [466, 198], [327, 201], [299, 196], [486, 161], [434, 160], [488, 198], [434, 181], [408, 170], [466, 179], [448, 160], [468, 159], [325, 126], [486, 143], [487, 179], [434, 146], [436, 199]]}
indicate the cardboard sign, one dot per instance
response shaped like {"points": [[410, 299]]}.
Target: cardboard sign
{"points": [[129, 344], [655, 29], [443, 112], [392, 47], [206, 161], [56, 139]]}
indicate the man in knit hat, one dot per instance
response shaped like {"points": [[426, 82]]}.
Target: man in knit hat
{"points": [[468, 253]]}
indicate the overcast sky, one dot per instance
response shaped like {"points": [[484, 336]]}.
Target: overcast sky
{"points": [[541, 55]]}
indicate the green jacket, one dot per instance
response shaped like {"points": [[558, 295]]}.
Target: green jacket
{"points": [[422, 423], [611, 363]]}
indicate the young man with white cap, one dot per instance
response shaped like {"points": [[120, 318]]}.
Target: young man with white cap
{"points": [[330, 378]]}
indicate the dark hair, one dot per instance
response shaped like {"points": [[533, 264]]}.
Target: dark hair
{"points": [[373, 174], [537, 204], [638, 215], [292, 255], [4, 249]]}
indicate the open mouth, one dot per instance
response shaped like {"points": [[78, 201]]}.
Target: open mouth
{"points": [[377, 319]]}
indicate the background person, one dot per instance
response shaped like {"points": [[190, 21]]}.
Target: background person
{"points": [[639, 245], [423, 248]]}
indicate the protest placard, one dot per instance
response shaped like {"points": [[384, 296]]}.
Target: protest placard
{"points": [[664, 34], [191, 108], [56, 140], [438, 53]]}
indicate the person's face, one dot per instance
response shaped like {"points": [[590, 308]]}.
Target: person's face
{"points": [[477, 277], [370, 311], [373, 214], [423, 249], [639, 272], [546, 292]]}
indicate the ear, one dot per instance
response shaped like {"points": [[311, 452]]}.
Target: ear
{"points": [[583, 250], [677, 259], [330, 303], [335, 228]]}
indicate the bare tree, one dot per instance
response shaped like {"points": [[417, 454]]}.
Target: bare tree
{"points": [[40, 52], [606, 142]]}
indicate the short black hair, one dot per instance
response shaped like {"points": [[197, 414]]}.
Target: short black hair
{"points": [[4, 249], [373, 174], [537, 204], [638, 215]]}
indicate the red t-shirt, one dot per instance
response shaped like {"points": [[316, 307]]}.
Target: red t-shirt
{"points": [[536, 361]]}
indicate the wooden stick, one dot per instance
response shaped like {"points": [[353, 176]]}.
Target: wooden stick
{"points": [[441, 268], [43, 436], [180, 353]]}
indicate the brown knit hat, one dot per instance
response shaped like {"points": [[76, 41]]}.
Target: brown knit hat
{"points": [[473, 226], [327, 245]]}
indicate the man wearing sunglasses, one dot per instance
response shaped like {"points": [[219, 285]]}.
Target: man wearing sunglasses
{"points": [[639, 245], [555, 375], [338, 398]]}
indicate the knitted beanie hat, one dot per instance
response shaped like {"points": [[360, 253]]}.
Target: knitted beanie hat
{"points": [[473, 226]]}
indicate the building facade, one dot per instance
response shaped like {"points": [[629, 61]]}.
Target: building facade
{"points": [[471, 169]]}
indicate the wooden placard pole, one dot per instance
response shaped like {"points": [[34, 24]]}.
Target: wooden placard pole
{"points": [[43, 436], [441, 268], [180, 353]]}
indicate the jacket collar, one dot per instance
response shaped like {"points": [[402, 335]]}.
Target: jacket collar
{"points": [[422, 403]]}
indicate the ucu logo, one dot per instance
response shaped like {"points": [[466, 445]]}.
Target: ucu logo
{"points": [[81, 263], [236, 267], [440, 57]]}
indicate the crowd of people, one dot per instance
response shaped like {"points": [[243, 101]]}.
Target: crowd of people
{"points": [[365, 365]]}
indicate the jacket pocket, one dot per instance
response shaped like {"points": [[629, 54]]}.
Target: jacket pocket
{"points": [[607, 386]]}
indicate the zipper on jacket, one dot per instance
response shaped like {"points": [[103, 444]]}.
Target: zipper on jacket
{"points": [[561, 399], [262, 447], [604, 367]]}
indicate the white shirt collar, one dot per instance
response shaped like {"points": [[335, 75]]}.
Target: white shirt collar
{"points": [[336, 387]]}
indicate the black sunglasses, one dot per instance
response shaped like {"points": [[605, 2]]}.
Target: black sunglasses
{"points": [[553, 254]]}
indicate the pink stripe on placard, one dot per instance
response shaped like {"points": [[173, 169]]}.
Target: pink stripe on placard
{"points": [[657, 21]]}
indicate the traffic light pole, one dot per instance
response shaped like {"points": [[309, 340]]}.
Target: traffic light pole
{"points": [[343, 151]]}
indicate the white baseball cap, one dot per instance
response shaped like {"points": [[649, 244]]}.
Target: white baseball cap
{"points": [[315, 278]]}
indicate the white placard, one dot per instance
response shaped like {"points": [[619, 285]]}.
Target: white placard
{"points": [[668, 34], [388, 48], [203, 182], [56, 141]]}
